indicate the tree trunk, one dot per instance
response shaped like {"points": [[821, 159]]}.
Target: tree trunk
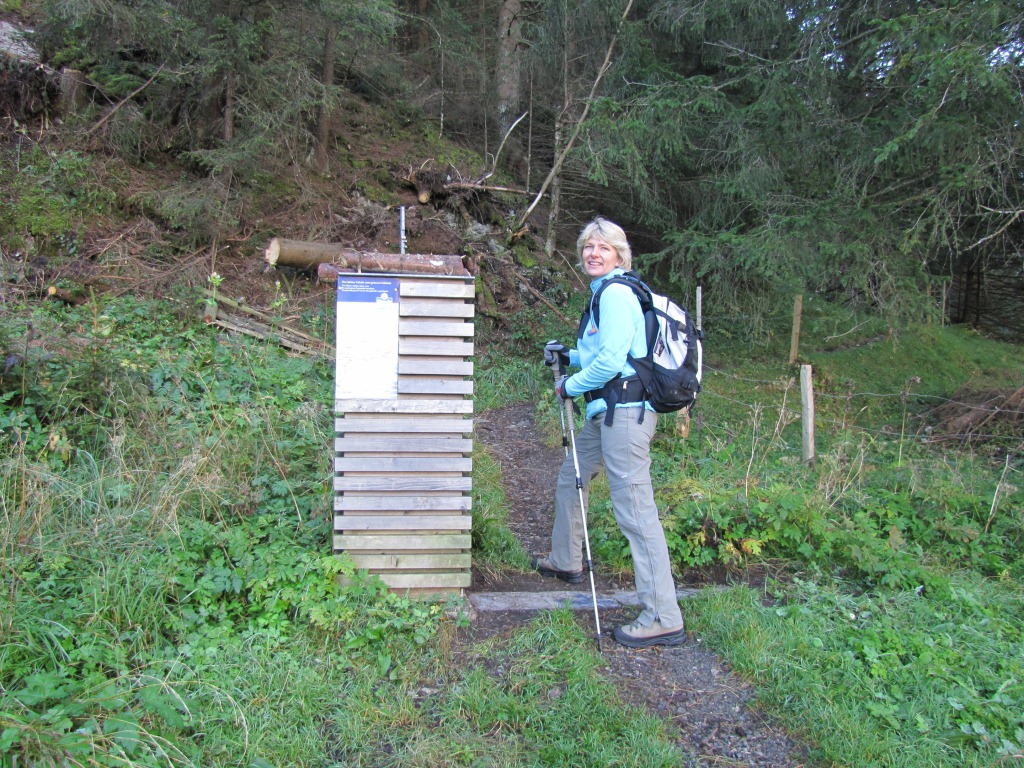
{"points": [[556, 196], [73, 94], [423, 32], [229, 107], [392, 263], [507, 69], [323, 128]]}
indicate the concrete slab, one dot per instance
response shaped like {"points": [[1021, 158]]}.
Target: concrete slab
{"points": [[546, 601]]}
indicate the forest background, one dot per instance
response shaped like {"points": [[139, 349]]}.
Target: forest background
{"points": [[164, 489]]}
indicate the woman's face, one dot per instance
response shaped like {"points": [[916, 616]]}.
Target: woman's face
{"points": [[599, 258]]}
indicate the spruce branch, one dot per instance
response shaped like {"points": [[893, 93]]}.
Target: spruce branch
{"points": [[124, 101]]}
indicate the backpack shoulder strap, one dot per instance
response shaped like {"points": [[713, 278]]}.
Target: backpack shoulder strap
{"points": [[630, 278]]}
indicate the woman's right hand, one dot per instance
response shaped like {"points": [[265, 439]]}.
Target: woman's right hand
{"points": [[556, 351]]}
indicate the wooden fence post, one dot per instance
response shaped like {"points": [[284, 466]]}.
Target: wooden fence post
{"points": [[794, 344], [807, 412], [683, 416]]}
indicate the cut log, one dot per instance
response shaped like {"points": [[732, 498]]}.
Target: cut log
{"points": [[66, 296], [310, 256]]}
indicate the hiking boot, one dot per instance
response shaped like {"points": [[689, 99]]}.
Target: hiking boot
{"points": [[543, 566], [636, 636]]}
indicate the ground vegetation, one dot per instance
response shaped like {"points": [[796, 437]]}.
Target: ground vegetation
{"points": [[169, 594]]}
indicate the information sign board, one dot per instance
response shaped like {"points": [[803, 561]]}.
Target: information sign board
{"points": [[367, 337]]}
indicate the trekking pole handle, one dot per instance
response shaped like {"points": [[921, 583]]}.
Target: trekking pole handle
{"points": [[556, 368]]}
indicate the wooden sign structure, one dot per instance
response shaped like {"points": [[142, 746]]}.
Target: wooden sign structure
{"points": [[403, 428]]}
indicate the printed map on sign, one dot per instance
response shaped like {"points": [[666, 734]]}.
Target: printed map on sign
{"points": [[367, 337]]}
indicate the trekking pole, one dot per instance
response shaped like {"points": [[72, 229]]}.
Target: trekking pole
{"points": [[567, 416]]}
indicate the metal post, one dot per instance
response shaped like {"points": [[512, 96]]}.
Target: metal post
{"points": [[401, 229]]}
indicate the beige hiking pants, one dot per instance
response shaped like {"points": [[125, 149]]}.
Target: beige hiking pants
{"points": [[623, 451]]}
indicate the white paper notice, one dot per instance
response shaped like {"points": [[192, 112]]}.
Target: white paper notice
{"points": [[367, 337]]}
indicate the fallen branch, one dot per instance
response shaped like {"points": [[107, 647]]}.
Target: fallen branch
{"points": [[266, 318], [327, 272], [502, 145], [1010, 403], [262, 333], [487, 187], [289, 338]]}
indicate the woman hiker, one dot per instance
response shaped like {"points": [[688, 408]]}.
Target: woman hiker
{"points": [[618, 441]]}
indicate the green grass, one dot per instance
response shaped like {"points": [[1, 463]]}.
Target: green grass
{"points": [[493, 543], [165, 547], [919, 543], [500, 381], [881, 678], [536, 698], [944, 358]]}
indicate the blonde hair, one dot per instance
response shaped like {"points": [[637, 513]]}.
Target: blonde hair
{"points": [[612, 234]]}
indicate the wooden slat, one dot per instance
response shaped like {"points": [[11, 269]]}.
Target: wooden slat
{"points": [[428, 483], [434, 308], [434, 387], [387, 464], [402, 503], [436, 561], [446, 290], [396, 580], [416, 346], [402, 522], [397, 542], [427, 328], [395, 444], [403, 406], [441, 366], [420, 424]]}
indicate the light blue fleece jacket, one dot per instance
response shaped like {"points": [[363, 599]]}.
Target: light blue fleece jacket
{"points": [[601, 352]]}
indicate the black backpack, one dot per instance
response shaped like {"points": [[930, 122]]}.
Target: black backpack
{"points": [[670, 373]]}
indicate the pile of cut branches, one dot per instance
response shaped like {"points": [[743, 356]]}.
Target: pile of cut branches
{"points": [[978, 416]]}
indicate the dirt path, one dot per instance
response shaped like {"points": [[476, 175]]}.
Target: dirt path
{"points": [[691, 688]]}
